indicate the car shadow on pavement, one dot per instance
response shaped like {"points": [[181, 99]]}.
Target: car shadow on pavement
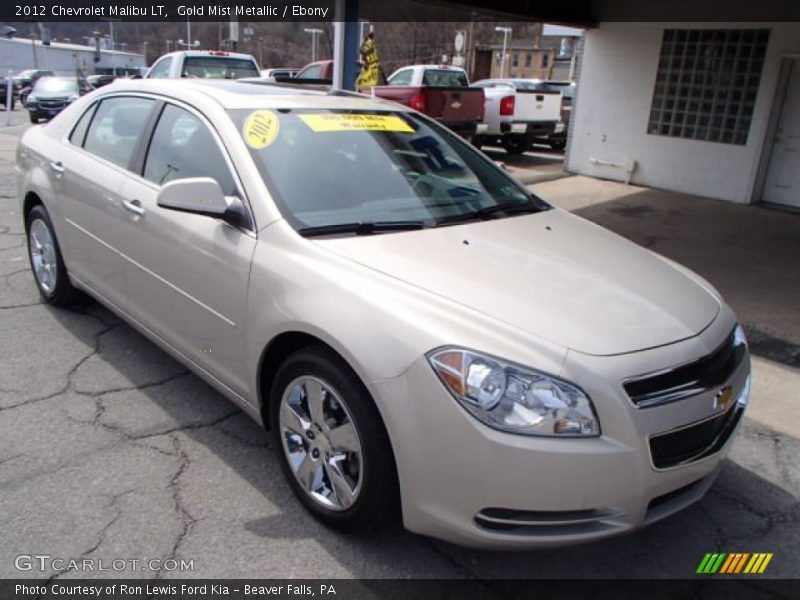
{"points": [[231, 481]]}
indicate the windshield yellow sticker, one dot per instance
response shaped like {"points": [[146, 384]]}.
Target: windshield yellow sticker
{"points": [[345, 122], [260, 129]]}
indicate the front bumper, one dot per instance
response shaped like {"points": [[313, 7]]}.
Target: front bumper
{"points": [[471, 485], [45, 112]]}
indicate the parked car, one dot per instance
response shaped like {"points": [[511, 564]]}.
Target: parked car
{"points": [[4, 96], [51, 95], [418, 330], [28, 77], [97, 81], [277, 74], [516, 114], [21, 85], [204, 64], [320, 71], [441, 92]]}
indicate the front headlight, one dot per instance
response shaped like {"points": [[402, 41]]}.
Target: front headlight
{"points": [[514, 398], [740, 340]]}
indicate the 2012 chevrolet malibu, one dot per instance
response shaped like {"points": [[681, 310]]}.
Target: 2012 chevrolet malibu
{"points": [[422, 335]]}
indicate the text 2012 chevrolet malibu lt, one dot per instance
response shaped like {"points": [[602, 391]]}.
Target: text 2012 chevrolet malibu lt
{"points": [[422, 335]]}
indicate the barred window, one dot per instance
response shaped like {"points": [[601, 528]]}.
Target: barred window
{"points": [[707, 82]]}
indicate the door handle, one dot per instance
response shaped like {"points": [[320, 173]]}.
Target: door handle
{"points": [[57, 168], [134, 207]]}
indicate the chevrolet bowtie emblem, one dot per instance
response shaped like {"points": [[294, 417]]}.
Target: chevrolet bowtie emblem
{"points": [[723, 398]]}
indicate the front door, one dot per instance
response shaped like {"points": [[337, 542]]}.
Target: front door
{"points": [[191, 274], [783, 175]]}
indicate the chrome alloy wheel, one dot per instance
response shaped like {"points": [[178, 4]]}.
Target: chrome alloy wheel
{"points": [[43, 255], [321, 443]]}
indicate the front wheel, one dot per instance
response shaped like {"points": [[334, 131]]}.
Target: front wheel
{"points": [[47, 262], [558, 145], [33, 116], [333, 446]]}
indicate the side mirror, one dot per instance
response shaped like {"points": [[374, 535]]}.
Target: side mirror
{"points": [[199, 195], [202, 196]]}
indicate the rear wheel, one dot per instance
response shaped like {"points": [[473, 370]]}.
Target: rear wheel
{"points": [[47, 263], [333, 446]]}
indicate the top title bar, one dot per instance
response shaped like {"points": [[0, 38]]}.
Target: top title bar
{"points": [[581, 13]]}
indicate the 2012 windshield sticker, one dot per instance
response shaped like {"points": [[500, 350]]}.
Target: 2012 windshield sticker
{"points": [[260, 129], [326, 122]]}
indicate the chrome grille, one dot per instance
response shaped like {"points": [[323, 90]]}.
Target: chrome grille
{"points": [[687, 380]]}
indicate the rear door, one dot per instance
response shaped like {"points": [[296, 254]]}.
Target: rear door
{"points": [[192, 272], [89, 179]]}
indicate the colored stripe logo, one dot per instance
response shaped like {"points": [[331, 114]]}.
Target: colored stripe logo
{"points": [[734, 563]]}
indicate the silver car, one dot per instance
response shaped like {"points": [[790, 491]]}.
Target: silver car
{"points": [[422, 335]]}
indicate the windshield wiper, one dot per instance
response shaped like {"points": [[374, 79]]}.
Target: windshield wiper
{"points": [[361, 228], [488, 212]]}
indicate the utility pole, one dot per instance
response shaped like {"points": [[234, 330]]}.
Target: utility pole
{"points": [[188, 33], [314, 33], [506, 32], [113, 56]]}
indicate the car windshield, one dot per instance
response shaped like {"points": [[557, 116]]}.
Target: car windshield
{"points": [[219, 67], [56, 84], [380, 170], [444, 78]]}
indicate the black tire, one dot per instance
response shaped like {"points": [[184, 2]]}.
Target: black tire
{"points": [[34, 117], [516, 145], [377, 502], [558, 145], [477, 141], [63, 293]]}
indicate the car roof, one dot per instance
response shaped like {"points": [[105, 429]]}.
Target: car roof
{"points": [[210, 53], [253, 93]]}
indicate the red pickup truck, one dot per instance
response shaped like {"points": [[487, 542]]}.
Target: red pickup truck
{"points": [[440, 91]]}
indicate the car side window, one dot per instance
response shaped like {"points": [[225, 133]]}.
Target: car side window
{"points": [[314, 72], [78, 134], [116, 127], [161, 69], [183, 146], [401, 77]]}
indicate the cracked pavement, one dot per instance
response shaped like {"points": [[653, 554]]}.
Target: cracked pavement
{"points": [[110, 449]]}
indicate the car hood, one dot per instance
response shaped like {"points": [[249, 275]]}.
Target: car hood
{"points": [[553, 275], [51, 95]]}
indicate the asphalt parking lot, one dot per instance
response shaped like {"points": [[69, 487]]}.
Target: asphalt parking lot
{"points": [[110, 450]]}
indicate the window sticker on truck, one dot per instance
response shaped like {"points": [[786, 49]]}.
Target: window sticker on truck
{"points": [[260, 129], [340, 122]]}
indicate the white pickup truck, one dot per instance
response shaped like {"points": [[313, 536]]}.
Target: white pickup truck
{"points": [[517, 113], [204, 64]]}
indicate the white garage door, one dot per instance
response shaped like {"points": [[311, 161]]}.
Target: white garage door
{"points": [[783, 176]]}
